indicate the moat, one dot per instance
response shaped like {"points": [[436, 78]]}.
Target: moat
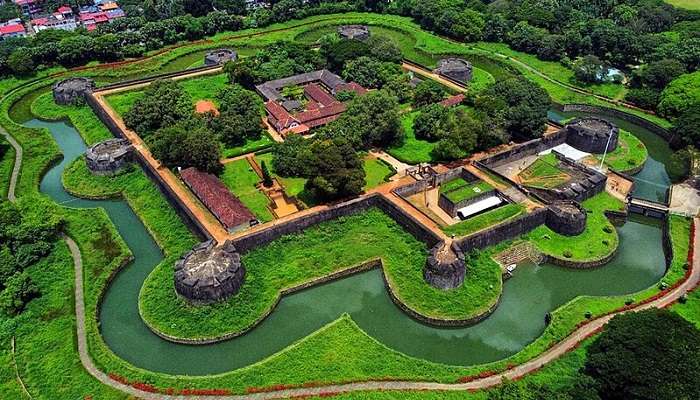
{"points": [[519, 319]]}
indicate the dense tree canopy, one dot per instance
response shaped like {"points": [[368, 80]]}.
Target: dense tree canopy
{"points": [[520, 104], [647, 355], [275, 61], [335, 169], [681, 94], [27, 234], [370, 120], [240, 113], [188, 143], [428, 92], [163, 104]]}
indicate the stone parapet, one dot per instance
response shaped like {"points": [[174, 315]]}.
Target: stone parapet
{"points": [[109, 157], [72, 90], [566, 218]]}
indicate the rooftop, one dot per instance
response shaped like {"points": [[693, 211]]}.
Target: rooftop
{"points": [[226, 207], [271, 90]]}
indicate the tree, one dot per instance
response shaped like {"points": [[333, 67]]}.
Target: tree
{"points": [[19, 290], [267, 178], [433, 122], [384, 49], [678, 167], [189, 143], [335, 169], [589, 69], [428, 92], [687, 126], [370, 120], [644, 97], [525, 37], [163, 104], [289, 157], [20, 62], [338, 52], [461, 139], [370, 73], [239, 117], [521, 105], [658, 74], [682, 94], [652, 354], [466, 25]]}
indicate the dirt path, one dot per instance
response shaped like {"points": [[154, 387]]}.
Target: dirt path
{"points": [[433, 76], [531, 366], [17, 165]]}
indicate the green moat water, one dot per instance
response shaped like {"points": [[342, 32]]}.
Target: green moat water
{"points": [[527, 297]]}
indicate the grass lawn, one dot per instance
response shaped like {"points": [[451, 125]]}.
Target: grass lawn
{"points": [[630, 154], [544, 173], [468, 191], [7, 162], [241, 179], [484, 220], [377, 172], [250, 146], [328, 247], [687, 4], [412, 151], [452, 185], [200, 88], [292, 186], [597, 241]]}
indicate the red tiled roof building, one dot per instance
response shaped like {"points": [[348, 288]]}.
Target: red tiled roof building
{"points": [[226, 207]]}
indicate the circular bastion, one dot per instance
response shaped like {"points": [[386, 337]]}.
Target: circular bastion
{"points": [[209, 273], [592, 135], [220, 56], [72, 90], [455, 68], [356, 32], [566, 218], [109, 157], [445, 267]]}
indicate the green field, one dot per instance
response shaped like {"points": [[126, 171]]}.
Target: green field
{"points": [[468, 191], [293, 186], [597, 241], [484, 220], [377, 172], [412, 151], [328, 247], [687, 4], [241, 179], [544, 173], [630, 154]]}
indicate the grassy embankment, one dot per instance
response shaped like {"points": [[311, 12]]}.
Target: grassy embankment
{"points": [[7, 162], [597, 241], [457, 191], [377, 172], [200, 88], [485, 220], [687, 4], [630, 154], [329, 247], [241, 179]]}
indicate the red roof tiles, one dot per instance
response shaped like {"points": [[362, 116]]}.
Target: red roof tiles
{"points": [[10, 29], [453, 100], [226, 207], [316, 93], [351, 87]]}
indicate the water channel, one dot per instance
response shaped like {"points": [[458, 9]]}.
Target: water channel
{"points": [[528, 296]]}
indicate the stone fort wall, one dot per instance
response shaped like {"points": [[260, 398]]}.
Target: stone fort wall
{"points": [[528, 148], [505, 231]]}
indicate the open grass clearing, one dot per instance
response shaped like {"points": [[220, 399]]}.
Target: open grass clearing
{"points": [[687, 4], [293, 186], [241, 179], [630, 154], [468, 191], [377, 172], [484, 220], [544, 173], [597, 241], [412, 151]]}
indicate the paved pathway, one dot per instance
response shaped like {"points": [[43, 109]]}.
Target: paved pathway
{"points": [[430, 74], [17, 165], [399, 166]]}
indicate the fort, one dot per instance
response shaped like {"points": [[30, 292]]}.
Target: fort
{"points": [[72, 90], [457, 69], [356, 32], [209, 273], [220, 56], [592, 135], [109, 157]]}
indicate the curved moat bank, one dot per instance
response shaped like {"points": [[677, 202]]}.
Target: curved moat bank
{"points": [[519, 319], [652, 182]]}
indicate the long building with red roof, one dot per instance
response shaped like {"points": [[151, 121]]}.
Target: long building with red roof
{"points": [[226, 207]]}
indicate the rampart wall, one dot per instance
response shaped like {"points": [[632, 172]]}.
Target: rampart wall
{"points": [[505, 231], [190, 220], [529, 148]]}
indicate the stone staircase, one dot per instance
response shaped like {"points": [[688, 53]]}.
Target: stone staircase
{"points": [[518, 253]]}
